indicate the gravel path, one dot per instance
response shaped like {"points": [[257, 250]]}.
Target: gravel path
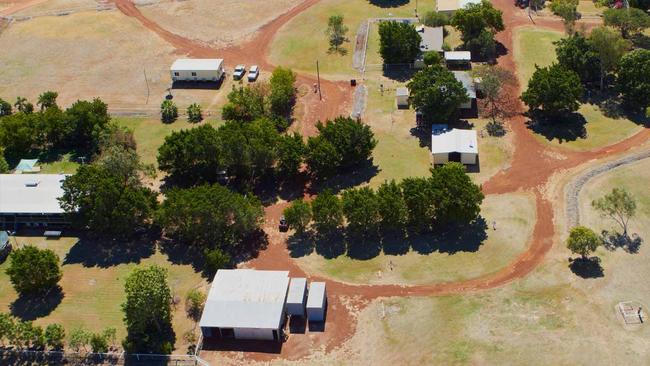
{"points": [[359, 57], [573, 189], [359, 103]]}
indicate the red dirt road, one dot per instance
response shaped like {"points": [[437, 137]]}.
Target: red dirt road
{"points": [[530, 170]]}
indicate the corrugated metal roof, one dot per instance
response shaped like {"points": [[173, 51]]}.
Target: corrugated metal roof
{"points": [[297, 288], [31, 193], [246, 298], [316, 295], [455, 140], [468, 82], [197, 64], [458, 55]]}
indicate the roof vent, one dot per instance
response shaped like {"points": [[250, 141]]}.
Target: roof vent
{"points": [[31, 183]]}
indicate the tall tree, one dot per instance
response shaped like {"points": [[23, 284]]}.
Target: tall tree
{"points": [[246, 104], [436, 93], [633, 79], [496, 82], [291, 152], [476, 18], [575, 53], [361, 211], [420, 205], [619, 205], [457, 199], [399, 43], [32, 270], [629, 21], [298, 215], [610, 47], [392, 207], [147, 311], [282, 97], [47, 99], [327, 213], [23, 105], [582, 241], [168, 111], [554, 89], [88, 123], [336, 31]]}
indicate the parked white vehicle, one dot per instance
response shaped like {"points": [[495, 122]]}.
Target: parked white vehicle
{"points": [[253, 73], [239, 72]]}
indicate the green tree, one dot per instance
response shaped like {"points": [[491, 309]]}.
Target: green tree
{"points": [[168, 111], [399, 43], [209, 215], [483, 46], [291, 153], [54, 336], [79, 338], [4, 166], [583, 241], [435, 19], [5, 108], [633, 80], [629, 21], [474, 19], [436, 93], [568, 11], [246, 104], [361, 210], [98, 343], [216, 259], [194, 302], [32, 270], [194, 113], [283, 93], [147, 311], [17, 134], [298, 215], [88, 123], [104, 204], [420, 205], [23, 106], [554, 89], [121, 162], [610, 47], [327, 212], [575, 53], [7, 326], [336, 32], [457, 199], [392, 208], [47, 99], [432, 58], [619, 205], [322, 157]]}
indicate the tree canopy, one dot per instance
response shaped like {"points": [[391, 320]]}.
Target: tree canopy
{"points": [[575, 53], [629, 21], [554, 90], [327, 212], [610, 47], [298, 215], [457, 199], [633, 80], [336, 30], [399, 43], [361, 209], [32, 270], [619, 205], [436, 93], [583, 241], [476, 18]]}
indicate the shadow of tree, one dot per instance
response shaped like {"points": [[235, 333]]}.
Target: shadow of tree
{"points": [[641, 40], [452, 239], [399, 72], [395, 243], [586, 267], [568, 127], [363, 249], [37, 305], [347, 179], [107, 253], [330, 246], [301, 245], [611, 105], [341, 51], [615, 240], [389, 3]]}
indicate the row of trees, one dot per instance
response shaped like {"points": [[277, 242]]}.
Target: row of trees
{"points": [[581, 60], [447, 197], [81, 127], [24, 334], [248, 151]]}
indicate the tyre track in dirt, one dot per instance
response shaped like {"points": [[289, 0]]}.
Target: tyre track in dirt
{"points": [[532, 166]]}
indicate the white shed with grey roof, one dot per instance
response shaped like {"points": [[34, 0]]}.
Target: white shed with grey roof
{"points": [[297, 296], [316, 302], [470, 87], [197, 69], [246, 304], [402, 97]]}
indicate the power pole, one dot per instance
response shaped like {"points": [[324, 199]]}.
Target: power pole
{"points": [[320, 96]]}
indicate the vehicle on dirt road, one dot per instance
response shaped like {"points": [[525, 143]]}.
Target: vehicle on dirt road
{"points": [[239, 72], [253, 73], [283, 226]]}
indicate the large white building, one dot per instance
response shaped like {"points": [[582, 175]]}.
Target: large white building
{"points": [[197, 69], [449, 7], [453, 145], [246, 304], [31, 200]]}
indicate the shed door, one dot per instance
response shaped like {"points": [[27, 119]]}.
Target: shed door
{"points": [[454, 156]]}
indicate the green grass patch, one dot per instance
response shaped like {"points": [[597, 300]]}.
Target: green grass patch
{"points": [[533, 46], [302, 41], [63, 165]]}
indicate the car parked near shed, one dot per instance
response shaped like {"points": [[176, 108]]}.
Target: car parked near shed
{"points": [[239, 72], [253, 73]]}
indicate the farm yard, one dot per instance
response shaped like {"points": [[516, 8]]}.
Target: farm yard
{"points": [[501, 286]]}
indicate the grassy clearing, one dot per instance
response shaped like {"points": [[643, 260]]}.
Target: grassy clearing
{"points": [[426, 263], [302, 41], [93, 294], [63, 165], [588, 8], [535, 47]]}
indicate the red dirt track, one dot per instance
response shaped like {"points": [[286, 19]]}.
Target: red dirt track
{"points": [[530, 170]]}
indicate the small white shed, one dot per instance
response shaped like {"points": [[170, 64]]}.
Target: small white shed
{"points": [[297, 296], [197, 69], [466, 79], [454, 145], [402, 97], [458, 59], [316, 302]]}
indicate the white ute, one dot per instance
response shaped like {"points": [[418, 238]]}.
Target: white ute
{"points": [[253, 73], [239, 72]]}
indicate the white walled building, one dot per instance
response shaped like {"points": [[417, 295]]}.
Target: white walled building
{"points": [[454, 145], [197, 69]]}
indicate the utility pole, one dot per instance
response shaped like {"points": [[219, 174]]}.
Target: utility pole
{"points": [[320, 96]]}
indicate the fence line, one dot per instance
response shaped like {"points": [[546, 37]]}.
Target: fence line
{"points": [[59, 357]]}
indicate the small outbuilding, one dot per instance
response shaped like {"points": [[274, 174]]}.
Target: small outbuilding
{"points": [[468, 83], [453, 145], [458, 59], [449, 7], [432, 40], [402, 97], [296, 299], [246, 304], [316, 302], [197, 69]]}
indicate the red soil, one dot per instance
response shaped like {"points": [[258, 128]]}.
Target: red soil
{"points": [[530, 170]]}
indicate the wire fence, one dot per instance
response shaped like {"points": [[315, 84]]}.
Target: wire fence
{"points": [[10, 356]]}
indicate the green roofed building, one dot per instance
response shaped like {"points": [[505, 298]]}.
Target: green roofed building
{"points": [[27, 166]]}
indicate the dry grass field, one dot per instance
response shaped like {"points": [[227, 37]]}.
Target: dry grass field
{"points": [[221, 22], [57, 6]]}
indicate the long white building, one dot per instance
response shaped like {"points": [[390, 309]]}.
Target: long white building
{"points": [[197, 69], [31, 200]]}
